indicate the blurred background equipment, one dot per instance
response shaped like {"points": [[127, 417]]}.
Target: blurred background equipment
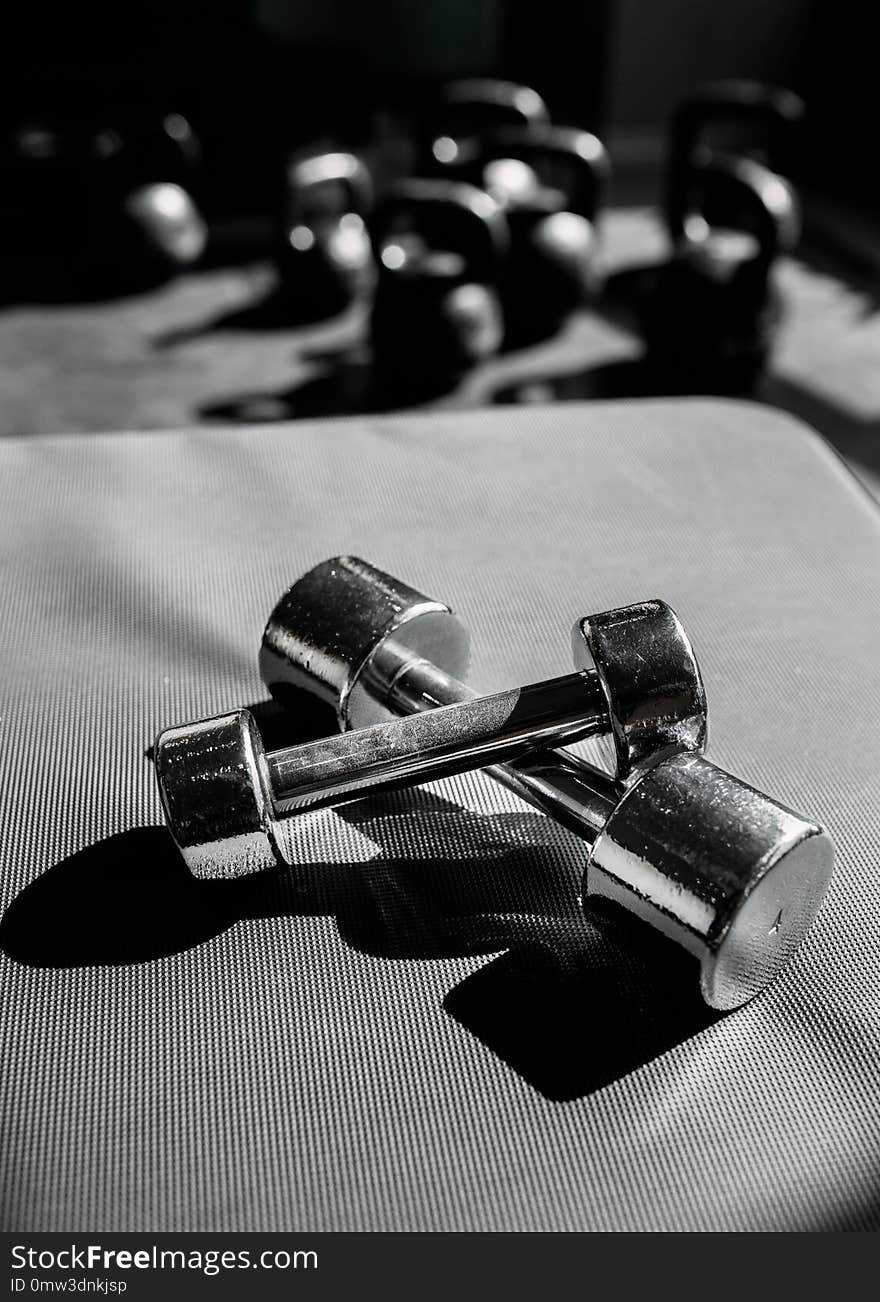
{"points": [[142, 225], [440, 246], [711, 311], [324, 255], [469, 108], [93, 209], [550, 181], [147, 249], [745, 118]]}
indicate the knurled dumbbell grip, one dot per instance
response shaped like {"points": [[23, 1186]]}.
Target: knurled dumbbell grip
{"points": [[467, 733], [573, 792]]}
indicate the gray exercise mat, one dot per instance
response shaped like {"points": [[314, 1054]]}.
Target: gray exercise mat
{"points": [[416, 1029]]}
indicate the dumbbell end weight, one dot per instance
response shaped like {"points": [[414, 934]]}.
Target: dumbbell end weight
{"points": [[651, 679], [728, 873], [346, 630], [217, 797]]}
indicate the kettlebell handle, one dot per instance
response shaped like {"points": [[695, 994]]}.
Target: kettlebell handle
{"points": [[477, 104], [580, 152], [774, 110], [345, 169], [764, 203], [520, 104], [450, 215]]}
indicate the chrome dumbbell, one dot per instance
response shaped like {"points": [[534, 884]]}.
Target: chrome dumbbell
{"points": [[712, 863], [223, 795]]}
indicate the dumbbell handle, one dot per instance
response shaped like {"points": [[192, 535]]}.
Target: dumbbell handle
{"points": [[573, 792], [467, 732]]}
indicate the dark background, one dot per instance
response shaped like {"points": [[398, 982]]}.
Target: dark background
{"points": [[257, 75]]}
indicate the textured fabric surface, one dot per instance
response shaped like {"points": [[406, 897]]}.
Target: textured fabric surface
{"points": [[415, 1029]]}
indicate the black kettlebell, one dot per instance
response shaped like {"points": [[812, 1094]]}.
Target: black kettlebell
{"points": [[712, 309], [550, 182], [439, 247], [325, 258], [465, 109], [144, 225], [101, 209], [744, 118]]}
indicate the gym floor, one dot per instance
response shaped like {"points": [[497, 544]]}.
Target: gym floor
{"points": [[208, 347]]}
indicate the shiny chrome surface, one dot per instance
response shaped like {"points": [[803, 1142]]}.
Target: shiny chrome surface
{"points": [[444, 736], [326, 631], [216, 795], [437, 743], [723, 870], [718, 867], [223, 796], [373, 647], [651, 680]]}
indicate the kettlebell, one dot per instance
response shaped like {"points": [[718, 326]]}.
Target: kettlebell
{"points": [[745, 118], [144, 225], [439, 246], [550, 181], [325, 257], [467, 108], [713, 308], [96, 209]]}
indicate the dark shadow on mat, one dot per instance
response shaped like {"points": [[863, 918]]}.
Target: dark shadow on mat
{"points": [[636, 377], [50, 280], [343, 382], [569, 1028], [571, 1001], [276, 310], [126, 899], [440, 884], [340, 387], [577, 1000], [826, 251], [53, 272], [622, 303]]}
